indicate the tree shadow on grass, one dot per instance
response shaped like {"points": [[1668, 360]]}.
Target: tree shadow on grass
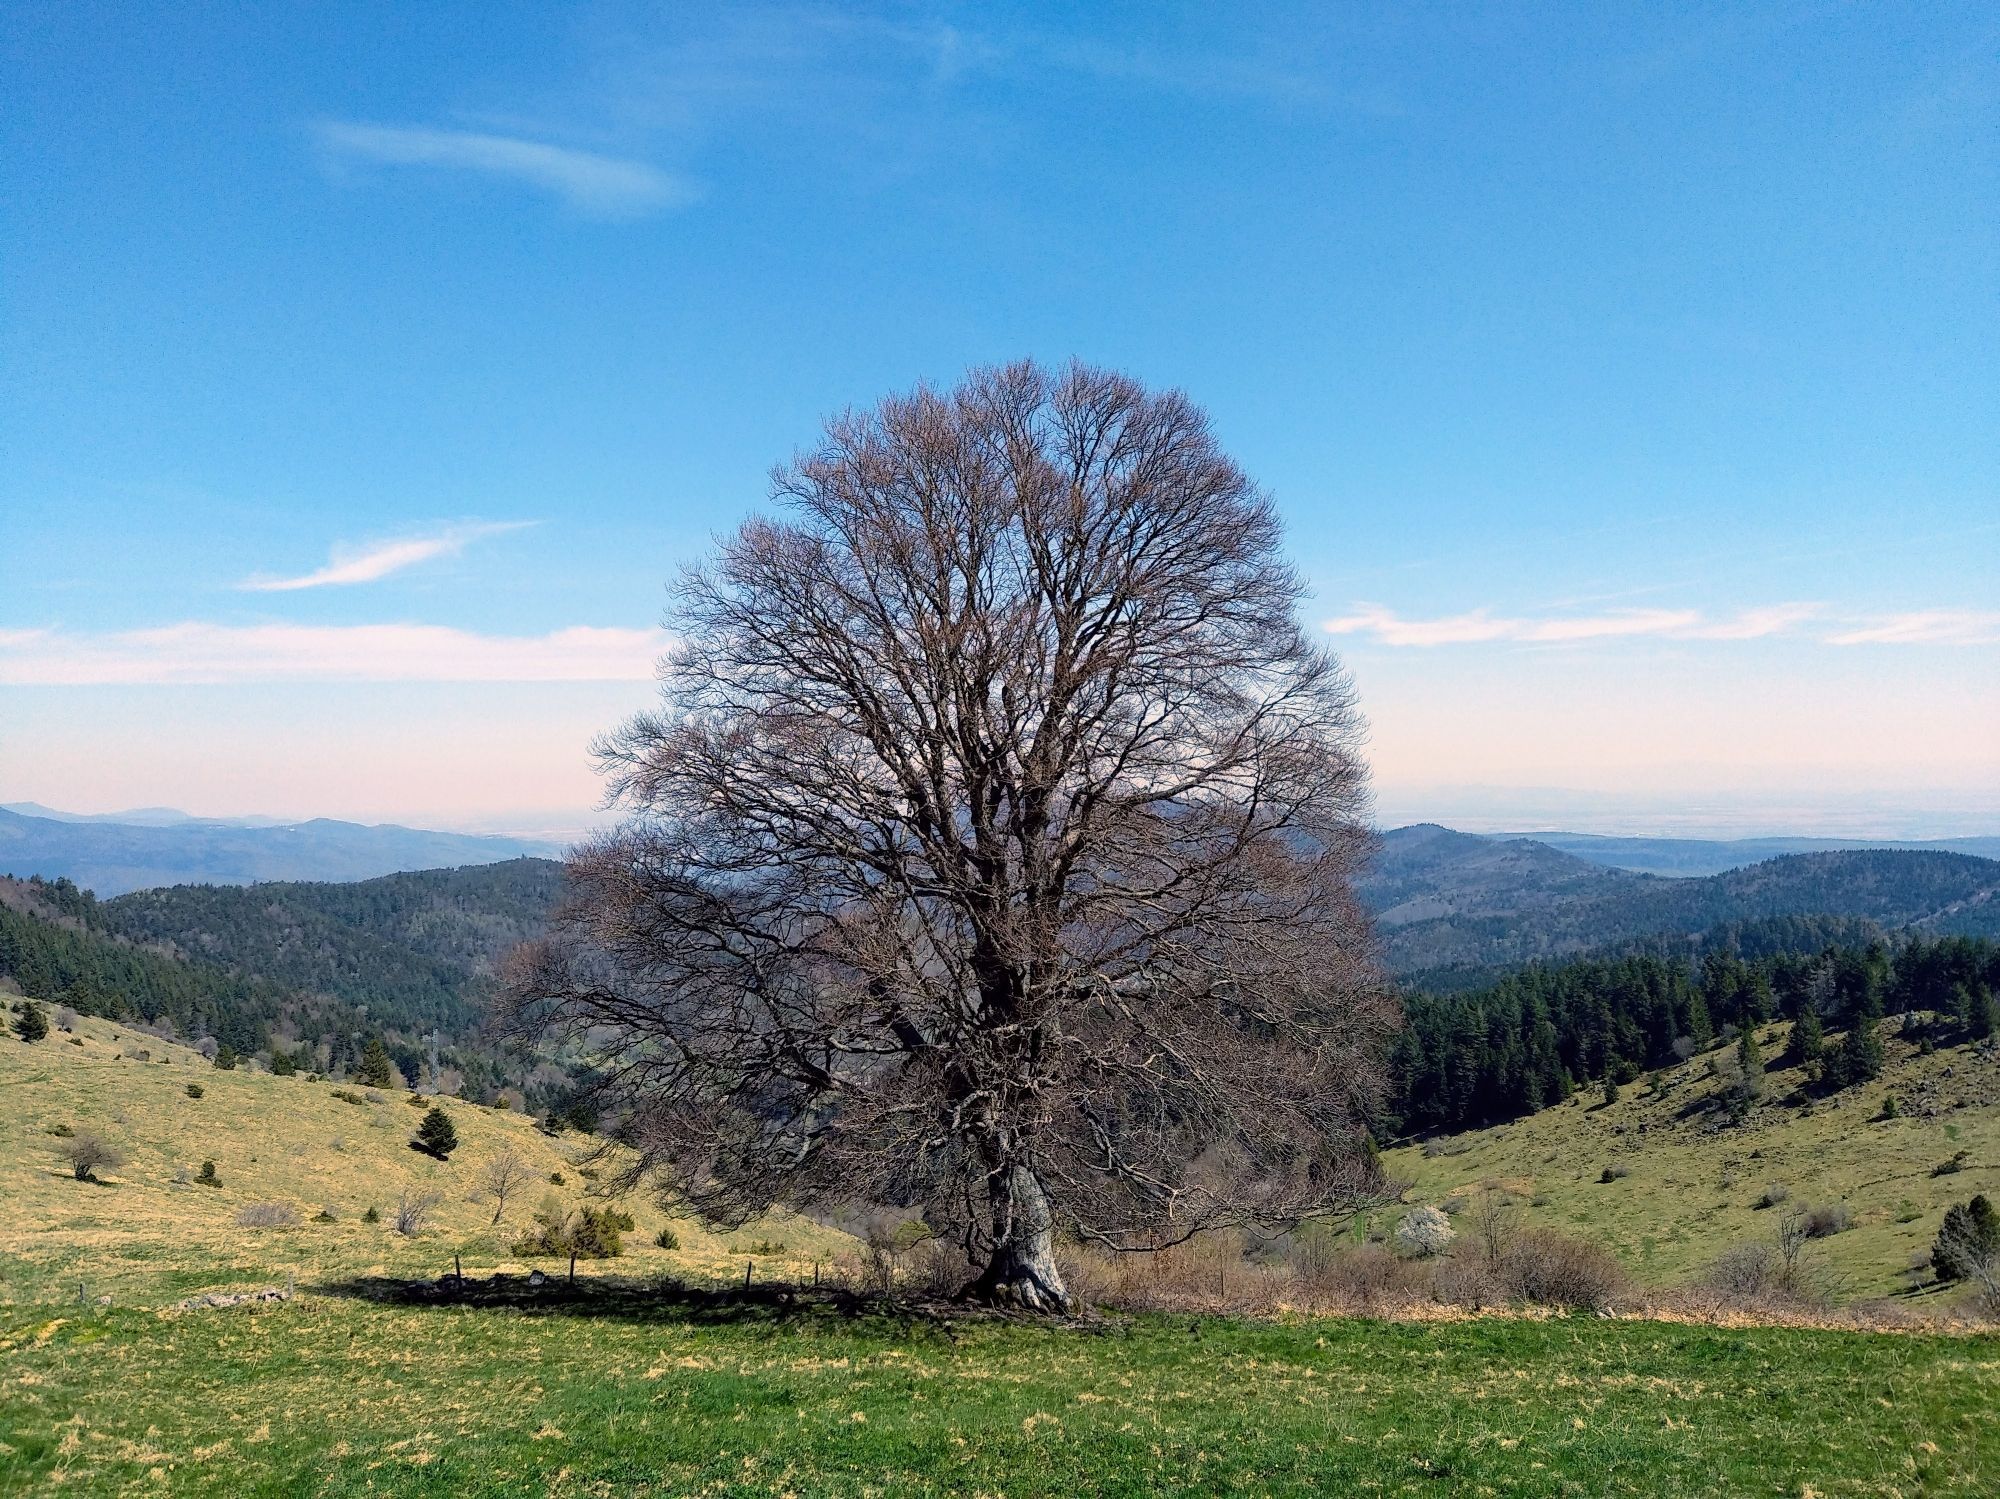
{"points": [[777, 1305]]}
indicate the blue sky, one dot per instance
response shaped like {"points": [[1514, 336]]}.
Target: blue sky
{"points": [[1627, 376]]}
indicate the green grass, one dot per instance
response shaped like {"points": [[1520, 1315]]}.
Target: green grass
{"points": [[1692, 1188], [333, 1396]]}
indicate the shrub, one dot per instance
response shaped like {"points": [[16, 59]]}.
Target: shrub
{"points": [[1968, 1241], [87, 1153], [31, 1024], [1826, 1221], [268, 1215], [348, 1095], [436, 1135], [588, 1233], [195, 1090], [1424, 1231], [1614, 1173], [66, 1018], [1772, 1196], [1464, 1277], [373, 1215], [61, 1131], [666, 1238], [1953, 1166], [1552, 1269], [1744, 1272], [206, 1177], [1366, 1277], [556, 1177], [325, 1215], [413, 1211]]}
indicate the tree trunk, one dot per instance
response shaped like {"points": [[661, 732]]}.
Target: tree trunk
{"points": [[1021, 1271]]}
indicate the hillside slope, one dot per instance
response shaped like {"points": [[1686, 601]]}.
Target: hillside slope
{"points": [[147, 1228], [1694, 1181]]}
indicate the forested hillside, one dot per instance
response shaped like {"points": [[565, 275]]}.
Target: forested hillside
{"points": [[420, 946], [1515, 1046], [303, 975]]}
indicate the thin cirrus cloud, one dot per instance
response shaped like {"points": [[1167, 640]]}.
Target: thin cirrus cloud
{"points": [[1925, 627], [195, 653], [607, 187], [1480, 626], [367, 564]]}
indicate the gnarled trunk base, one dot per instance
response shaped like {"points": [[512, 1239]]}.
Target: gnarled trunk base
{"points": [[1021, 1272]]}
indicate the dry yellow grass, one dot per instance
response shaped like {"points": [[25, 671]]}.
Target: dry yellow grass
{"points": [[148, 1230], [1692, 1189]]}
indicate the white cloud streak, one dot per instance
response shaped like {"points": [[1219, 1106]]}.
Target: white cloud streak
{"points": [[200, 653], [607, 187], [1480, 626], [367, 564], [1925, 627]]}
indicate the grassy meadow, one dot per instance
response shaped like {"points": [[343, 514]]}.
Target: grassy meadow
{"points": [[627, 1386], [1690, 1190]]}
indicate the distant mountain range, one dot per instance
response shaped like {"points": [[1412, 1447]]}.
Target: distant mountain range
{"points": [[1450, 907], [170, 848], [1698, 856], [1455, 905]]}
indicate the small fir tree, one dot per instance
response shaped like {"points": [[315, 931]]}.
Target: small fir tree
{"points": [[226, 1057], [1969, 1238], [1751, 1056], [376, 1070], [1808, 1039], [436, 1136], [31, 1024]]}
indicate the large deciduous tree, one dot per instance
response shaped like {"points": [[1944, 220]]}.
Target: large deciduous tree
{"points": [[989, 853]]}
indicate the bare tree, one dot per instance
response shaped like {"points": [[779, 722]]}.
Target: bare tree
{"points": [[503, 1176], [88, 1152], [413, 1211], [990, 851]]}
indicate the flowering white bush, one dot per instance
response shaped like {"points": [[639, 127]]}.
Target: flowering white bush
{"points": [[1424, 1231]]}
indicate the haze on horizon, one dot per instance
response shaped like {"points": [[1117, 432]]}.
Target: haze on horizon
{"points": [[1626, 379]]}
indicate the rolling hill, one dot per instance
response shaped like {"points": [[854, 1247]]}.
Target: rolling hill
{"points": [[1452, 904], [1696, 856]]}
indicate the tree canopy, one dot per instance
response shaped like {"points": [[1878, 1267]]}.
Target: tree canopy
{"points": [[990, 850]]}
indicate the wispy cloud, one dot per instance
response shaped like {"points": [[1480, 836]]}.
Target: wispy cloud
{"points": [[609, 187], [197, 652], [1925, 627], [376, 560], [1480, 625]]}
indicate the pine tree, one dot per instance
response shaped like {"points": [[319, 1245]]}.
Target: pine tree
{"points": [[436, 1136], [31, 1024], [283, 1063], [226, 1057], [1751, 1057], [376, 1070], [1970, 1237], [1982, 1013], [1808, 1038]]}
